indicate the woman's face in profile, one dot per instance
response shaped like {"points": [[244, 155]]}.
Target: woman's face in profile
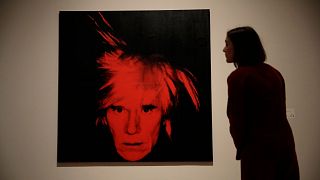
{"points": [[228, 51]]}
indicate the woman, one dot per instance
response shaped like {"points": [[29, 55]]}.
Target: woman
{"points": [[257, 111]]}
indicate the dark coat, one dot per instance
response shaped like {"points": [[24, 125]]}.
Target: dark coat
{"points": [[258, 124]]}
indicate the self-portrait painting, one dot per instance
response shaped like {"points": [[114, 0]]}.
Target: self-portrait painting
{"points": [[134, 86]]}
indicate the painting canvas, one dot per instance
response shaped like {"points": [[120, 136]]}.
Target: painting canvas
{"points": [[134, 87]]}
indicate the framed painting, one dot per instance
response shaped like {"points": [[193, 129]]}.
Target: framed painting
{"points": [[134, 87]]}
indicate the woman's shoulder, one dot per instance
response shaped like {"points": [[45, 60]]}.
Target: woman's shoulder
{"points": [[241, 72], [239, 75], [268, 66], [246, 70], [253, 72]]}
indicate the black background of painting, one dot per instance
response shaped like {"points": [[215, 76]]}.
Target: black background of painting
{"points": [[182, 36]]}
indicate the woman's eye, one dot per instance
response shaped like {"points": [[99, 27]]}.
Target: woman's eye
{"points": [[148, 108], [118, 109]]}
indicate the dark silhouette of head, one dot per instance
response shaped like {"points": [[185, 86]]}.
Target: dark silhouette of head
{"points": [[248, 49]]}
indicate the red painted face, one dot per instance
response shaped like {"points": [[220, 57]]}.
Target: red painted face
{"points": [[141, 94], [134, 116]]}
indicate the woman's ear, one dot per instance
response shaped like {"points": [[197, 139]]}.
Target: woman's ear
{"points": [[167, 124]]}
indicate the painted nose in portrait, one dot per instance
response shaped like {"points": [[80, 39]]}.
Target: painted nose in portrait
{"points": [[133, 124]]}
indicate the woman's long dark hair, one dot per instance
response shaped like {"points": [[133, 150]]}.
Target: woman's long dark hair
{"points": [[248, 49]]}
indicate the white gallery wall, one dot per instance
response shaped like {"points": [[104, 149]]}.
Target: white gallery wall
{"points": [[289, 29]]}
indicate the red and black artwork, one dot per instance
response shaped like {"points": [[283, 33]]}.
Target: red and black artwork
{"points": [[134, 86]]}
